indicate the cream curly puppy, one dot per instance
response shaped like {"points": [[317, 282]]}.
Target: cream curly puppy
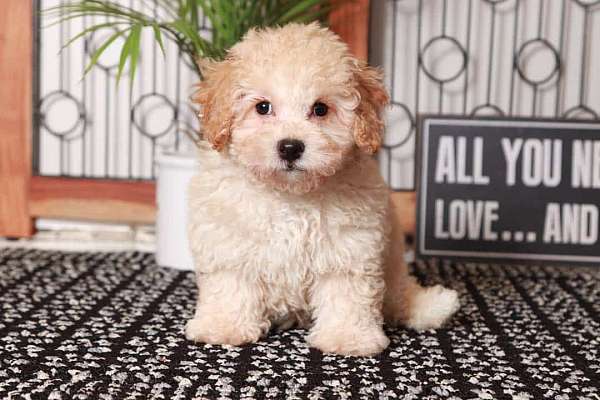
{"points": [[290, 218]]}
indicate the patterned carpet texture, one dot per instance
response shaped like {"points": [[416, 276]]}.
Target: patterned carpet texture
{"points": [[109, 326]]}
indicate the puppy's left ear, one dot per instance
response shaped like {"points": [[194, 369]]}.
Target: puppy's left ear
{"points": [[214, 95], [368, 125]]}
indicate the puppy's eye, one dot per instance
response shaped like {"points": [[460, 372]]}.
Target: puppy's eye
{"points": [[264, 108], [320, 109]]}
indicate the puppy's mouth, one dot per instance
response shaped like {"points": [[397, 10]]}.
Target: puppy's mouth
{"points": [[291, 167]]}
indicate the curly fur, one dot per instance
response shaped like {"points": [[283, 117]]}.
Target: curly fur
{"points": [[312, 245]]}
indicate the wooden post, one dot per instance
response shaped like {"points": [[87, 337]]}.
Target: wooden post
{"points": [[93, 199], [350, 20], [16, 51]]}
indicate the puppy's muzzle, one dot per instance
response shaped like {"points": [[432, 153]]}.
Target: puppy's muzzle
{"points": [[290, 149]]}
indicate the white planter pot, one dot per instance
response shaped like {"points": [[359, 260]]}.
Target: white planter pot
{"points": [[174, 174]]}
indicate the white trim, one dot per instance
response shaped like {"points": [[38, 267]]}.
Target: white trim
{"points": [[524, 123], [496, 123]]}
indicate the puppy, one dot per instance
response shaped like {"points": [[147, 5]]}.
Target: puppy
{"points": [[290, 220]]}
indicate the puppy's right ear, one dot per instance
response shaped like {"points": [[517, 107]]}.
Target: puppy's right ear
{"points": [[214, 95]]}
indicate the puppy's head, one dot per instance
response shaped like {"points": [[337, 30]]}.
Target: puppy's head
{"points": [[291, 106]]}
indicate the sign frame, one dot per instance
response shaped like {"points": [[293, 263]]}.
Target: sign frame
{"points": [[421, 174]]}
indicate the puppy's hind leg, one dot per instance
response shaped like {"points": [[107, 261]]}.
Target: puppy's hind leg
{"points": [[408, 303]]}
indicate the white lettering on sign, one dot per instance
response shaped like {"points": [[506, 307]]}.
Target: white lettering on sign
{"points": [[571, 223], [451, 165], [472, 219], [541, 161], [585, 172]]}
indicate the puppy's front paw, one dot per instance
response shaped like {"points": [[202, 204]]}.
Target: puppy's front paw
{"points": [[432, 307], [350, 341], [219, 331]]}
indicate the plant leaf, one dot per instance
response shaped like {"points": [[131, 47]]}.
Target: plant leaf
{"points": [[183, 21], [96, 55], [134, 51], [296, 10], [125, 50], [158, 38], [89, 30]]}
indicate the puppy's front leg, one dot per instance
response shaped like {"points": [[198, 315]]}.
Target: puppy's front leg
{"points": [[229, 310], [347, 313]]}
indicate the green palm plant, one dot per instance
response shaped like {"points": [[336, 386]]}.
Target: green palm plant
{"points": [[181, 22]]}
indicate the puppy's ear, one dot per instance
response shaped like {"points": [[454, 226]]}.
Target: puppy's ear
{"points": [[368, 125], [214, 95]]}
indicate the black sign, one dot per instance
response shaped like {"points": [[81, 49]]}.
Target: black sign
{"points": [[509, 189]]}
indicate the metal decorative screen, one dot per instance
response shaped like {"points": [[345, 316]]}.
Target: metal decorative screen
{"points": [[90, 127], [534, 58], [537, 58]]}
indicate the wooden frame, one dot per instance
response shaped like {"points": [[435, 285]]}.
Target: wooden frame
{"points": [[351, 22], [24, 197], [16, 52], [93, 199]]}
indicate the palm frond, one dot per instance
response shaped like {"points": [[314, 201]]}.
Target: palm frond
{"points": [[181, 21]]}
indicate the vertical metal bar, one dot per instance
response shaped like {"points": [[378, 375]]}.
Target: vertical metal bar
{"points": [[117, 134], [61, 156], [154, 58], [560, 49], [35, 89], [106, 122], [584, 56], [141, 88], [61, 85], [93, 81], [514, 67], [444, 15], [67, 51], [491, 55], [389, 166], [419, 27], [539, 36], [417, 84], [61, 55], [153, 159], [84, 102], [441, 97], [68, 89], [394, 34], [68, 156], [535, 95], [441, 84], [130, 128], [540, 19], [465, 87], [177, 98]]}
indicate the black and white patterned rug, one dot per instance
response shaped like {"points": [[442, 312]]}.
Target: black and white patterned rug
{"points": [[109, 326]]}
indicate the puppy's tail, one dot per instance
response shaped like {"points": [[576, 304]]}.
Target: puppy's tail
{"points": [[405, 301]]}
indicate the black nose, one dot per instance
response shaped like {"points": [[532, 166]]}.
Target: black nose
{"points": [[290, 149]]}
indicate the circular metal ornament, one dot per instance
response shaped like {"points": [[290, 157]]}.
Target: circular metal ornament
{"points": [[142, 105], [487, 110], [50, 101], [394, 114], [521, 55], [439, 41], [587, 3], [580, 112]]}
